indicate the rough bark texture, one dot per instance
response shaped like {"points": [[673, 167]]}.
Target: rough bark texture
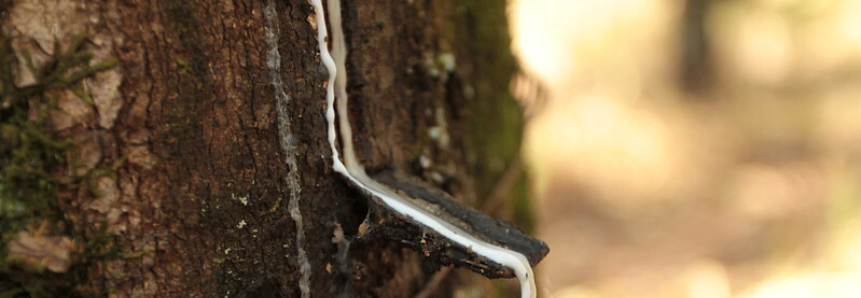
{"points": [[197, 199]]}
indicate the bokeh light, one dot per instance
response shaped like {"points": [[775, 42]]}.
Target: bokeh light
{"points": [[697, 148]]}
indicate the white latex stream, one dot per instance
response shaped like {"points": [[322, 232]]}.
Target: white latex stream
{"points": [[352, 170]]}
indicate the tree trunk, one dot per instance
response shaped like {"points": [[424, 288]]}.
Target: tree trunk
{"points": [[143, 144], [695, 65]]}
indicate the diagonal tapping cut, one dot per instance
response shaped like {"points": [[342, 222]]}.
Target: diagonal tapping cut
{"points": [[412, 201]]}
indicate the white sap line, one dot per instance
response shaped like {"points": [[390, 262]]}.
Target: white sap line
{"points": [[288, 144], [354, 172]]}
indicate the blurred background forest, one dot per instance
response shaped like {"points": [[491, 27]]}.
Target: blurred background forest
{"points": [[699, 148]]}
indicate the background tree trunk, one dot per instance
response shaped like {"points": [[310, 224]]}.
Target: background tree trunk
{"points": [[695, 62], [175, 182]]}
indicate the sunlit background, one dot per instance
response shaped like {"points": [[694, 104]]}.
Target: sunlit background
{"points": [[695, 148]]}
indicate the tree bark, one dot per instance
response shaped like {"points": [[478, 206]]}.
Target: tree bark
{"points": [[176, 182]]}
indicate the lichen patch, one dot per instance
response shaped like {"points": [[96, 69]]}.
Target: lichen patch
{"points": [[39, 251], [106, 96]]}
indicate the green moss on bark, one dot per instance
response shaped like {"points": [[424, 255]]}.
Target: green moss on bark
{"points": [[496, 118], [33, 169]]}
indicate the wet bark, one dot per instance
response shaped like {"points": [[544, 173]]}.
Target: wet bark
{"points": [[191, 124]]}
